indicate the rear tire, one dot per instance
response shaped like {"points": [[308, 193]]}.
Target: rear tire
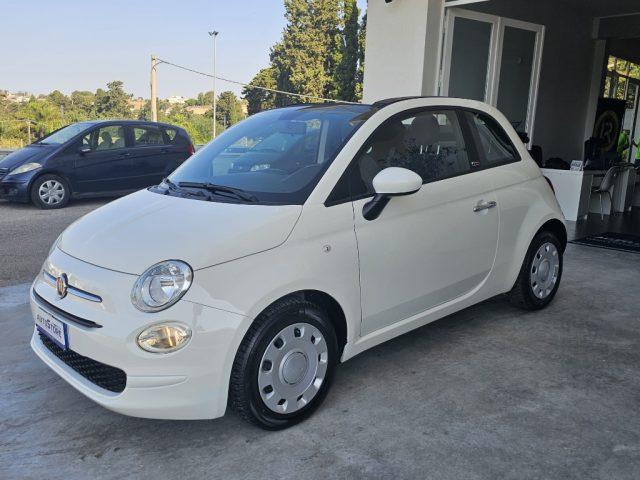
{"points": [[285, 365], [49, 192], [540, 273]]}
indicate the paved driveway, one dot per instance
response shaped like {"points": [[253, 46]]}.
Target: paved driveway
{"points": [[488, 393], [27, 232]]}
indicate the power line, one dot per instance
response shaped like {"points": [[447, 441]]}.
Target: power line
{"points": [[247, 85]]}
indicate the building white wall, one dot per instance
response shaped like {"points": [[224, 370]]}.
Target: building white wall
{"points": [[401, 48]]}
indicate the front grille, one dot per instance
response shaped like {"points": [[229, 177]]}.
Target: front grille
{"points": [[104, 376]]}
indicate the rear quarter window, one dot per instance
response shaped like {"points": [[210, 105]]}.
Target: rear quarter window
{"points": [[171, 133], [147, 135], [492, 142]]}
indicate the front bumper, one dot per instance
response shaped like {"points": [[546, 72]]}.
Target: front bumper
{"points": [[191, 383], [14, 190]]}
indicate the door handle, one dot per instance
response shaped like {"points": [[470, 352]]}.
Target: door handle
{"points": [[125, 154], [484, 206]]}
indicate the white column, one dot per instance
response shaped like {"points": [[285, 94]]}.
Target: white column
{"points": [[402, 48]]}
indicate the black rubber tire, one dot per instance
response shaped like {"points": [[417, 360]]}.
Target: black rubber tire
{"points": [[521, 295], [244, 396], [35, 199]]}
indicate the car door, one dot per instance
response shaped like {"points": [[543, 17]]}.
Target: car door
{"points": [[178, 147], [435, 245], [151, 155], [102, 164]]}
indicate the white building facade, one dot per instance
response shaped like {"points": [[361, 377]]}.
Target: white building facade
{"points": [[541, 62]]}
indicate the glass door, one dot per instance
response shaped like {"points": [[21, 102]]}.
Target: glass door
{"points": [[495, 60], [469, 55], [520, 51]]}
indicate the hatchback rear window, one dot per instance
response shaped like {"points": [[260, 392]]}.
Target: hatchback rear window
{"points": [[147, 135]]}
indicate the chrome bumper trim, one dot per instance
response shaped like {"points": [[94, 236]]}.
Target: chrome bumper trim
{"points": [[51, 280]]}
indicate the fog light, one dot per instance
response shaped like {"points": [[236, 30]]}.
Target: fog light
{"points": [[164, 338]]}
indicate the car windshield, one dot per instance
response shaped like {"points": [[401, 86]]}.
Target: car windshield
{"points": [[277, 156], [64, 134]]}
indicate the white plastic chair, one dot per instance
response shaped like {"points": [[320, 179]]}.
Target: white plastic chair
{"points": [[606, 187]]}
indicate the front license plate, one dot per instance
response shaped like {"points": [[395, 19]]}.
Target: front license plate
{"points": [[52, 328]]}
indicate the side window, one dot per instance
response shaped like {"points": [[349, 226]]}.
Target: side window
{"points": [[429, 143], [494, 146], [85, 141], [108, 138], [171, 133], [147, 135]]}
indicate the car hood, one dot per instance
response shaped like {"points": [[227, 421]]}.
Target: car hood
{"points": [[30, 153], [139, 230]]}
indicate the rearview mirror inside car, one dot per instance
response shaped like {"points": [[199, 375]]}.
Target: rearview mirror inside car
{"points": [[390, 182]]}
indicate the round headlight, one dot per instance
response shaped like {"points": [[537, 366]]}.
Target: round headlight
{"points": [[161, 285], [164, 338]]}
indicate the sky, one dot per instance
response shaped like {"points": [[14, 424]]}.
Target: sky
{"points": [[81, 45]]}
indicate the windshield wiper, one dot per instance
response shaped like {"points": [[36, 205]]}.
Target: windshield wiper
{"points": [[221, 189], [170, 184]]}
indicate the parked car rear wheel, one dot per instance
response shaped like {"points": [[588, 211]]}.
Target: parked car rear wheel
{"points": [[49, 192], [284, 366], [540, 274]]}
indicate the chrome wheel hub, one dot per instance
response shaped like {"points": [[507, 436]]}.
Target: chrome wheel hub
{"points": [[544, 270], [293, 368], [51, 192]]}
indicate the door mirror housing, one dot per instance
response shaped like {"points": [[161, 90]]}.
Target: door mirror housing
{"points": [[390, 182], [84, 150]]}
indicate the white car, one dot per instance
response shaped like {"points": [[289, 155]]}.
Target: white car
{"points": [[295, 240]]}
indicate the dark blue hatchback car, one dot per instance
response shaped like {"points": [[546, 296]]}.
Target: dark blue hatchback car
{"points": [[90, 159]]}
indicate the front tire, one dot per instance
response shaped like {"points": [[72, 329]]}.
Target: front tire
{"points": [[49, 192], [540, 274], [285, 365]]}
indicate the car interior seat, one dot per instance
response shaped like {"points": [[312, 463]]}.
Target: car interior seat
{"points": [[119, 143], [107, 141], [387, 149]]}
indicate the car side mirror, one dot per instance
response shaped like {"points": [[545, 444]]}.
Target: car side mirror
{"points": [[390, 182], [84, 150]]}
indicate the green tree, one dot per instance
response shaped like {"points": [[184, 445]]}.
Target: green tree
{"points": [[346, 70], [205, 98], [360, 71], [257, 99], [114, 102], [229, 109], [83, 101], [309, 50], [44, 116]]}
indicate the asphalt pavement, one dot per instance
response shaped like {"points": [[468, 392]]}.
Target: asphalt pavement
{"points": [[27, 233], [488, 393]]}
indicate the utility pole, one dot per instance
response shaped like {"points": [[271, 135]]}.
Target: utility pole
{"points": [[29, 130], [154, 89], [214, 34]]}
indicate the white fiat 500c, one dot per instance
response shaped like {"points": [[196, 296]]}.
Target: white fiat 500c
{"points": [[297, 239]]}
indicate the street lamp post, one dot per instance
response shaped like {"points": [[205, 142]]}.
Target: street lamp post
{"points": [[214, 34]]}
